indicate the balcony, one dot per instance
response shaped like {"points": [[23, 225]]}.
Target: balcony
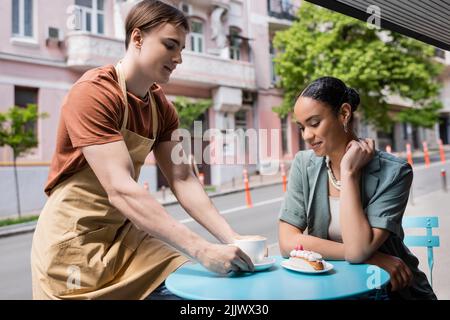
{"points": [[210, 71], [224, 3], [447, 58], [86, 51], [282, 9], [439, 53]]}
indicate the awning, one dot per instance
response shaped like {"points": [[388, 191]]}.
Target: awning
{"points": [[424, 20]]}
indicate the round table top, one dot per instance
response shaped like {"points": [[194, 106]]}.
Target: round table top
{"points": [[193, 281]]}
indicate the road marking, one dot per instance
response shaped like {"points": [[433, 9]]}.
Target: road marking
{"points": [[224, 212]]}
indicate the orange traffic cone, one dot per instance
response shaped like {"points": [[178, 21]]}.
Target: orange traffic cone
{"points": [[441, 150], [201, 177], [248, 197], [283, 175], [409, 154], [425, 154]]}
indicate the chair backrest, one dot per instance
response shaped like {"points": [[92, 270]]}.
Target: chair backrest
{"points": [[429, 241]]}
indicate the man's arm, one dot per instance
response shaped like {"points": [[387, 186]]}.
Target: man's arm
{"points": [[113, 167], [190, 193]]}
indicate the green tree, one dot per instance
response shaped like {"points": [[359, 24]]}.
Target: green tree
{"points": [[325, 43], [189, 111], [17, 131]]}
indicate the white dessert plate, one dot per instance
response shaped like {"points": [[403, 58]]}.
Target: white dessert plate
{"points": [[265, 263], [285, 264]]}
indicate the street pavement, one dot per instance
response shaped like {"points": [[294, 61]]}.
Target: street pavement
{"points": [[427, 199]]}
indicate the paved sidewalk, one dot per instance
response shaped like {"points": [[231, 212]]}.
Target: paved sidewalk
{"points": [[434, 204]]}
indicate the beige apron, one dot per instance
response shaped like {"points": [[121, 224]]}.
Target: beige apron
{"points": [[84, 248]]}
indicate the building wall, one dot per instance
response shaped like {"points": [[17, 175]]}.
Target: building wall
{"points": [[53, 84], [31, 181]]}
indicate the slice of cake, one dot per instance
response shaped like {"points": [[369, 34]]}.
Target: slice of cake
{"points": [[306, 260]]}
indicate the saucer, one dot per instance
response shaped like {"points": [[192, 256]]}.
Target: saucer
{"points": [[265, 263], [285, 264]]}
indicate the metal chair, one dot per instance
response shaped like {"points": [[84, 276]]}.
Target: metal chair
{"points": [[429, 241]]}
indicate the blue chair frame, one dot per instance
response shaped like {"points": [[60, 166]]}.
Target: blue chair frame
{"points": [[429, 240]]}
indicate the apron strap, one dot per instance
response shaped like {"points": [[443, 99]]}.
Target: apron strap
{"points": [[154, 114], [123, 87]]}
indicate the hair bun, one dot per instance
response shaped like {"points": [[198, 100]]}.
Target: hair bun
{"points": [[353, 98]]}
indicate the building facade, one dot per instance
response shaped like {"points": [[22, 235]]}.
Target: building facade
{"points": [[46, 45]]}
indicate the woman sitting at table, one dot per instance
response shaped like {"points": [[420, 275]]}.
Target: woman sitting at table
{"points": [[350, 196]]}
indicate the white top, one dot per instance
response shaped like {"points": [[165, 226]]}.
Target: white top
{"points": [[334, 231]]}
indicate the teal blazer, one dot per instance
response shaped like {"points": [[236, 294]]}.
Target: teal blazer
{"points": [[385, 184]]}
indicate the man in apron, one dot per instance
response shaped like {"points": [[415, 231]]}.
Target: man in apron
{"points": [[100, 234]]}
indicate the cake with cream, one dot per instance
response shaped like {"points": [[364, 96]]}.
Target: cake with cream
{"points": [[306, 260]]}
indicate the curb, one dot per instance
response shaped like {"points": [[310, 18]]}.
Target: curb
{"points": [[28, 227], [224, 193], [17, 229]]}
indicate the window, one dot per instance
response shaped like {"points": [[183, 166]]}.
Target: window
{"points": [[24, 96], [284, 135], [186, 8], [92, 15], [282, 9], [241, 119], [22, 18], [273, 75], [386, 138], [286, 5], [439, 53], [405, 131], [240, 122], [197, 39], [235, 44]]}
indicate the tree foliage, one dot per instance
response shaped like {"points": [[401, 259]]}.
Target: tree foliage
{"points": [[377, 63], [189, 111], [17, 128], [17, 131]]}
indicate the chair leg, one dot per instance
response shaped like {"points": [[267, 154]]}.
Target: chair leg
{"points": [[431, 275], [430, 264]]}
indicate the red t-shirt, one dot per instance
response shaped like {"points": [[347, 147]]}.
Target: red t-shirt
{"points": [[92, 113]]}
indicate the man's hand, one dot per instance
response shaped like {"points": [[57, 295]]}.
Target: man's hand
{"points": [[401, 275], [224, 259]]}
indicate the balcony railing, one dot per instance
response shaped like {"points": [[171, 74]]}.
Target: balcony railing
{"points": [[211, 71], [439, 53], [85, 50], [282, 9], [442, 56]]}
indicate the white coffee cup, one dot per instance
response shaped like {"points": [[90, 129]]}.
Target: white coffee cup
{"points": [[255, 247]]}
